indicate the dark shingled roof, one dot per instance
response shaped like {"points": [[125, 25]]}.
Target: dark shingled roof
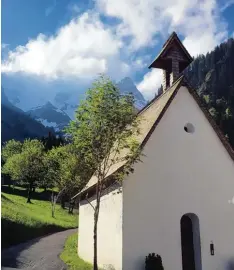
{"points": [[173, 38]]}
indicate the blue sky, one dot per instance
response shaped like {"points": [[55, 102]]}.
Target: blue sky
{"points": [[65, 44]]}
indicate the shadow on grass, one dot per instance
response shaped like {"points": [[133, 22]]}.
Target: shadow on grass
{"points": [[14, 233], [44, 195], [5, 198]]}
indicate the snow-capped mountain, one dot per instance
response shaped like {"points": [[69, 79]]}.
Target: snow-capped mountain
{"points": [[50, 116], [68, 102], [127, 86], [55, 107]]}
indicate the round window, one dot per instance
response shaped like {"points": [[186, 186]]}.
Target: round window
{"points": [[189, 128]]}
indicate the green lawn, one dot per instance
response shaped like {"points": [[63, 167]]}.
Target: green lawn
{"points": [[70, 257], [22, 221]]}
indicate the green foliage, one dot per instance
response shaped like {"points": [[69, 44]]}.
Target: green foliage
{"points": [[228, 113], [105, 126], [22, 221], [52, 141], [212, 76], [207, 99], [70, 257], [29, 163], [11, 148], [102, 128], [63, 169], [14, 167], [26, 166], [213, 112]]}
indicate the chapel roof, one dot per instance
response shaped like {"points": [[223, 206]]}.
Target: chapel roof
{"points": [[152, 113], [149, 118]]}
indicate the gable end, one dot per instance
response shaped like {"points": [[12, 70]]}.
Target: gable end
{"points": [[208, 116]]}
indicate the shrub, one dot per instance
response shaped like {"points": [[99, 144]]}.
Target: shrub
{"points": [[153, 262]]}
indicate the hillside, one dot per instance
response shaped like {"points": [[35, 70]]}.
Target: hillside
{"points": [[22, 221], [213, 77]]}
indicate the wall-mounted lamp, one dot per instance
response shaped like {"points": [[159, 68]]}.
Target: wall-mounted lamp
{"points": [[211, 248]]}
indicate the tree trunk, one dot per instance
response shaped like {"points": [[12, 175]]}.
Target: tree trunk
{"points": [[29, 193], [95, 265], [71, 207], [44, 189], [62, 202], [54, 199], [53, 208], [96, 215], [53, 203]]}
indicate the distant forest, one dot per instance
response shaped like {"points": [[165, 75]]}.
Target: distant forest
{"points": [[213, 77]]}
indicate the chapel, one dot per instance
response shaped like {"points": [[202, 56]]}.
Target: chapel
{"points": [[178, 202]]}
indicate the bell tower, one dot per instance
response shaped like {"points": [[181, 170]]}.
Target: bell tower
{"points": [[172, 59]]}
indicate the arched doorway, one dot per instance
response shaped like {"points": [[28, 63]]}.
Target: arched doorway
{"points": [[190, 242]]}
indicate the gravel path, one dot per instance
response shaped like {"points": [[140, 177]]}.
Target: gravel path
{"points": [[38, 254]]}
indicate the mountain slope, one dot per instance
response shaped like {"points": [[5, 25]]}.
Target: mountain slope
{"points": [[16, 124], [213, 77], [6, 102], [67, 102], [127, 86], [50, 116], [19, 126]]}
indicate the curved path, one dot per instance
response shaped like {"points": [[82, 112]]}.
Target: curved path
{"points": [[38, 254]]}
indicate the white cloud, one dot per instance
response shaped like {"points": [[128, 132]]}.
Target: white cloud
{"points": [[198, 21], [140, 19], [140, 62], [82, 48], [86, 46], [146, 20], [150, 83]]}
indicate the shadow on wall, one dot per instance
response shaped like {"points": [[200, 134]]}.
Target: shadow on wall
{"points": [[230, 264]]}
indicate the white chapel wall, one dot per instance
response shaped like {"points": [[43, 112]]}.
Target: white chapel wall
{"points": [[109, 231], [181, 173]]}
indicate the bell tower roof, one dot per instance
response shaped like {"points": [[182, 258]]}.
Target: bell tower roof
{"points": [[163, 58]]}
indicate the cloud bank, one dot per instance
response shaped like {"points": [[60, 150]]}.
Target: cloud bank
{"points": [[87, 45]]}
